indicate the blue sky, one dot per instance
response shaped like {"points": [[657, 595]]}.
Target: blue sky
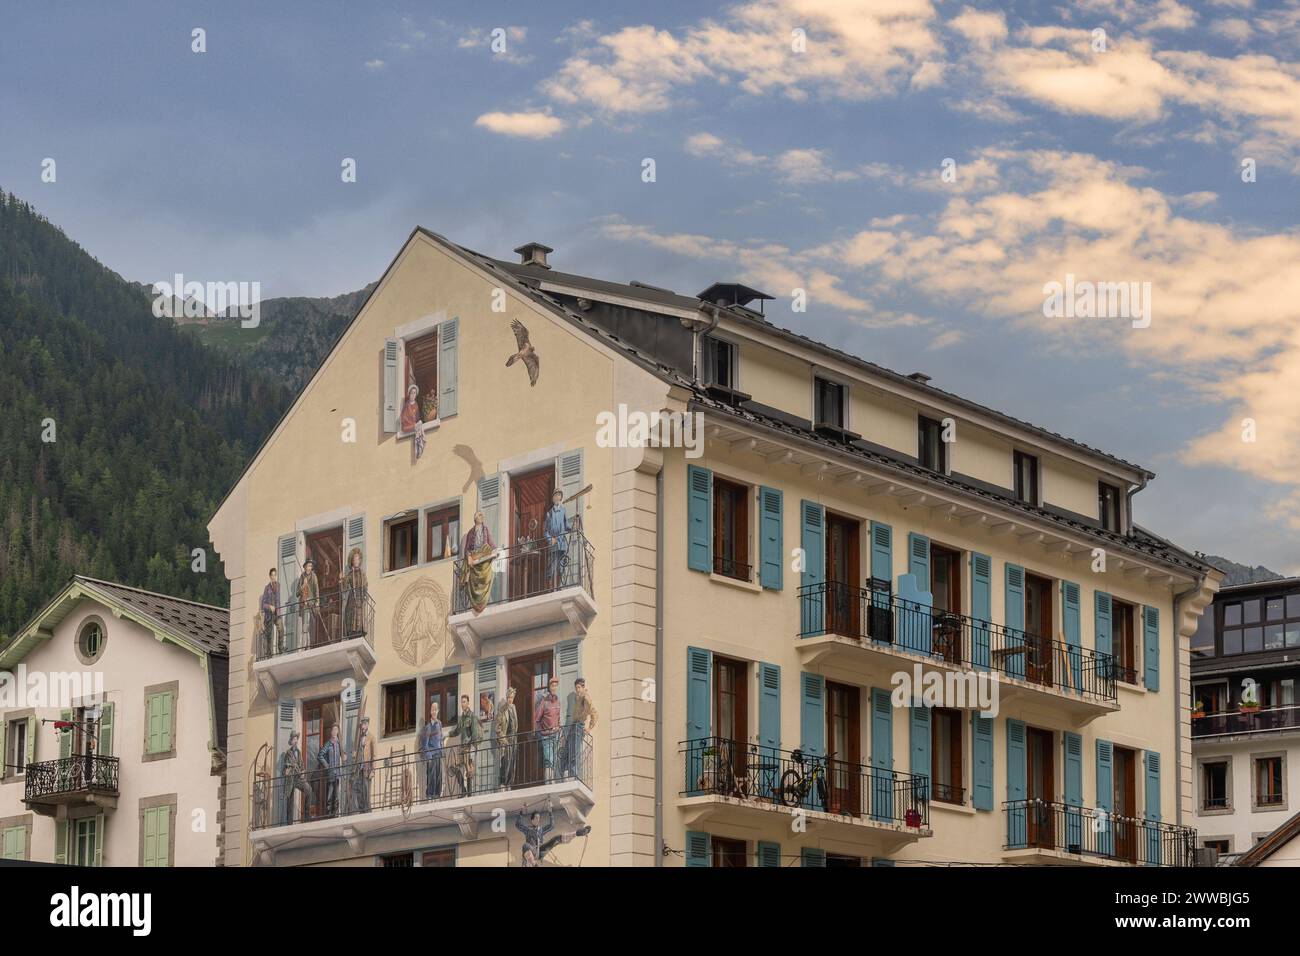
{"points": [[815, 168]]}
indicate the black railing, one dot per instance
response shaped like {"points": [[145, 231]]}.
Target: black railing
{"points": [[731, 568], [1246, 722], [527, 570], [451, 772], [886, 620], [793, 779], [70, 775], [335, 616], [1214, 803], [1085, 832], [947, 793]]}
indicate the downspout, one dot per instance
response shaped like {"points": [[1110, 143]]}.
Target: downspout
{"points": [[660, 756]]}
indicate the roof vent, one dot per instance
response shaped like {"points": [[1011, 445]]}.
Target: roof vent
{"points": [[920, 377], [534, 254], [732, 293]]}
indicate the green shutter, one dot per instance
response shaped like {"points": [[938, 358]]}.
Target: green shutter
{"points": [[61, 842], [812, 856], [65, 736], [448, 346], [15, 843], [105, 746], [5, 770], [30, 755], [1014, 614], [771, 544], [981, 607], [1017, 784], [699, 848], [982, 758], [812, 540], [768, 854], [150, 837], [152, 721], [99, 840], [699, 518], [391, 349], [1151, 644]]}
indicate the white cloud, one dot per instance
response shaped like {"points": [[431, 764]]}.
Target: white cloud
{"points": [[529, 125]]}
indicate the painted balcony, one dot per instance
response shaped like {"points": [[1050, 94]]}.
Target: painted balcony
{"points": [[756, 785], [1274, 720], [533, 585], [460, 785], [331, 635], [1050, 833], [71, 781], [865, 628]]}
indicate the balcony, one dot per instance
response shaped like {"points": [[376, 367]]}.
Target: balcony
{"points": [[748, 783], [532, 585], [71, 781], [461, 785], [1245, 723], [1050, 833], [331, 634], [860, 627]]}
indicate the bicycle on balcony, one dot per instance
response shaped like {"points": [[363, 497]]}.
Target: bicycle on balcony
{"points": [[803, 779]]}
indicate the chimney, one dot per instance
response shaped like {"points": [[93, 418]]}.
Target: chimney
{"points": [[534, 254], [920, 377]]}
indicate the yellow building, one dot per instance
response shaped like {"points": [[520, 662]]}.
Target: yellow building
{"points": [[744, 596]]}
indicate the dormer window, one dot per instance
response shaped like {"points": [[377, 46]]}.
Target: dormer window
{"points": [[1108, 506], [721, 370], [829, 404], [1026, 478], [932, 452]]}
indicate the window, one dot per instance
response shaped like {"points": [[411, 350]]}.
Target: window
{"points": [[442, 532], [729, 852], [1122, 643], [1261, 624], [945, 755], [839, 859], [1214, 786], [730, 529], [932, 451], [13, 843], [90, 641], [1219, 845], [399, 708], [1026, 478], [85, 837], [720, 363], [1268, 782], [398, 860], [401, 536], [443, 857], [1108, 506], [15, 755], [160, 716], [1203, 639], [421, 373], [828, 406]]}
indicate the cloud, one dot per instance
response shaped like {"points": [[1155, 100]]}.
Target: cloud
{"points": [[529, 125], [375, 64]]}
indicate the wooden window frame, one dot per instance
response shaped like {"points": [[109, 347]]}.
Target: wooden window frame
{"points": [[1115, 521], [1035, 478], [956, 761], [426, 514], [389, 692], [924, 424], [728, 852], [835, 383], [390, 524], [1256, 803], [404, 371], [740, 495]]}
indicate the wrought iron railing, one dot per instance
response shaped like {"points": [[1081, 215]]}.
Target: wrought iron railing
{"points": [[793, 779], [1087, 832], [450, 772], [529, 569], [70, 775], [886, 620], [731, 568], [1246, 722], [335, 616], [947, 793]]}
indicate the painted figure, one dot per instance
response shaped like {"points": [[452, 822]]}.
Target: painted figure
{"points": [[555, 528], [353, 583], [467, 729], [363, 767], [330, 758], [431, 753], [506, 727], [582, 721], [546, 717], [524, 352], [307, 592], [478, 550], [269, 605], [295, 780], [410, 416], [537, 843]]}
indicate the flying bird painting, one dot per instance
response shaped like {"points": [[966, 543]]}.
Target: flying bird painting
{"points": [[526, 351]]}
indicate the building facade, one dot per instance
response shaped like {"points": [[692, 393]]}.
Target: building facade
{"points": [[727, 610], [1245, 718], [113, 728]]}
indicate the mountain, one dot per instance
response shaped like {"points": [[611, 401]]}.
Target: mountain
{"points": [[1235, 573], [119, 432]]}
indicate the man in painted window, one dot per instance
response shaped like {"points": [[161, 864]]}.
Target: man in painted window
{"points": [[507, 726], [547, 711], [467, 729], [270, 608], [308, 594], [581, 722], [330, 759], [555, 527], [294, 780], [363, 767]]}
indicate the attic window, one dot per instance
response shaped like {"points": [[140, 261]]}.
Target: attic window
{"points": [[829, 401], [90, 641]]}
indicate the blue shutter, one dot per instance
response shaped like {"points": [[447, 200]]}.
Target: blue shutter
{"points": [[812, 714], [882, 556], [881, 861], [771, 545], [1017, 784], [882, 754], [448, 345], [1072, 744], [1102, 609], [812, 856], [812, 602], [769, 727], [699, 848], [981, 607], [982, 757], [921, 741], [918, 559], [391, 349], [768, 854], [1015, 619], [1153, 808], [882, 624], [1070, 624], [1151, 645], [699, 518], [1105, 797], [699, 674]]}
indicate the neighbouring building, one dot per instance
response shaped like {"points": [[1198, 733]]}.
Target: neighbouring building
{"points": [[113, 725], [1246, 722], [739, 596]]}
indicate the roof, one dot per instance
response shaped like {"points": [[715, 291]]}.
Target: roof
{"points": [[1266, 847]]}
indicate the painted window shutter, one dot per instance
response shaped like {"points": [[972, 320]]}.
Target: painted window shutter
{"points": [[568, 478], [286, 713], [489, 502], [981, 607], [882, 754], [448, 346], [391, 349], [769, 854], [1072, 744], [982, 757], [699, 518], [699, 848], [812, 856], [812, 540], [99, 840], [1105, 795], [287, 549], [568, 659], [918, 559], [1070, 612], [1015, 618], [1101, 633], [356, 539], [486, 677], [921, 741], [61, 842], [771, 545], [1151, 646], [1153, 807], [882, 556], [769, 706], [105, 745], [1017, 783]]}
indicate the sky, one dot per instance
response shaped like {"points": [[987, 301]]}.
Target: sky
{"points": [[921, 169]]}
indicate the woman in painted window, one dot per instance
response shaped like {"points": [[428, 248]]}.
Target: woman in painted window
{"points": [[353, 583]]}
